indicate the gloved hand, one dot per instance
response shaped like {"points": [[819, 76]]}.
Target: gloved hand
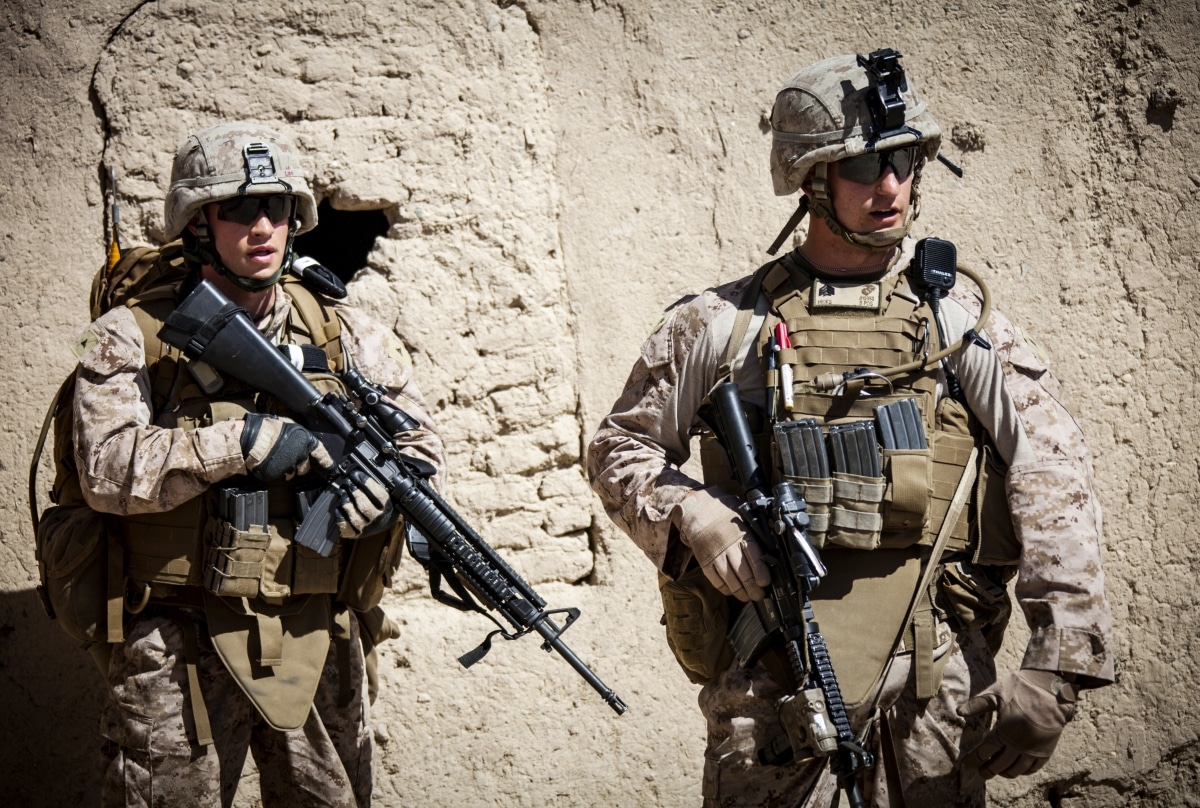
{"points": [[279, 448], [365, 509], [730, 558], [1030, 717]]}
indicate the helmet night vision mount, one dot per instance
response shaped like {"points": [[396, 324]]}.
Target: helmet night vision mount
{"points": [[886, 102], [884, 99]]}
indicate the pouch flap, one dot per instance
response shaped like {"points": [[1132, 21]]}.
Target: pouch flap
{"points": [[283, 692], [879, 584]]}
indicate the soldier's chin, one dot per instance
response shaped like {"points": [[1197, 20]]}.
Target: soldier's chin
{"points": [[256, 271]]}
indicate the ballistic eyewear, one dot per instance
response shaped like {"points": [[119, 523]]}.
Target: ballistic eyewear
{"points": [[245, 210], [865, 169]]}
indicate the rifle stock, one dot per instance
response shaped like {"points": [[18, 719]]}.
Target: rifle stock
{"points": [[814, 717], [207, 327]]}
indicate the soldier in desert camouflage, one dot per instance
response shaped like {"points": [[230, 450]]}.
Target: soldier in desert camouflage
{"points": [[914, 603], [236, 639]]}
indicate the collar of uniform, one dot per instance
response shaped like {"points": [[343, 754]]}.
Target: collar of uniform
{"points": [[904, 257], [796, 262], [273, 330]]}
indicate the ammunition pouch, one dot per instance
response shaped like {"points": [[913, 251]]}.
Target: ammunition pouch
{"points": [[81, 587], [904, 507], [818, 493], [234, 560], [696, 616], [855, 520]]}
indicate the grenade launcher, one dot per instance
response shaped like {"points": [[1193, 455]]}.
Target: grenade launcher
{"points": [[210, 329], [814, 716]]}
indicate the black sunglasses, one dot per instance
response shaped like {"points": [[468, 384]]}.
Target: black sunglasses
{"points": [[865, 169], [245, 210]]}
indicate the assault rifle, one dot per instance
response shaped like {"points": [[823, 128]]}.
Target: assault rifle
{"points": [[210, 329], [814, 716]]}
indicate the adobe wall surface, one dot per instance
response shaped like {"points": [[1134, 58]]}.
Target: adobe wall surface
{"points": [[554, 175]]}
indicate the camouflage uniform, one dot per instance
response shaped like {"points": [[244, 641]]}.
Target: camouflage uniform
{"points": [[129, 465], [634, 462]]}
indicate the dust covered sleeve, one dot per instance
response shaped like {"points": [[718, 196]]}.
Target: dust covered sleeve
{"points": [[1056, 515], [635, 456], [379, 355], [126, 463]]}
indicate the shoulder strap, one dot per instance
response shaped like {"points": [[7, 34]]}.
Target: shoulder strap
{"points": [[320, 319], [768, 275], [151, 309], [62, 396]]}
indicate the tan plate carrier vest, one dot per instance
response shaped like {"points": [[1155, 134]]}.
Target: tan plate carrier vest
{"points": [[863, 600], [184, 546]]}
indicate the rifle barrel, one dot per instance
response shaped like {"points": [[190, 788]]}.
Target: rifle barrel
{"points": [[552, 634]]}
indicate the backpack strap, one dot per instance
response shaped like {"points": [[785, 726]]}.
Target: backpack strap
{"points": [[151, 309], [768, 274], [61, 398], [319, 319]]}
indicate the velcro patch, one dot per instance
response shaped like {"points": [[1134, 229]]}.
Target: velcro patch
{"points": [[85, 344], [830, 295]]}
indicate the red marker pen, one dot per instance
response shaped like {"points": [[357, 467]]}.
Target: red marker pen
{"points": [[785, 369]]}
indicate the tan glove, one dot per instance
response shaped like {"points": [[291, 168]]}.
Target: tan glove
{"points": [[279, 448], [1032, 708], [731, 559], [366, 509]]}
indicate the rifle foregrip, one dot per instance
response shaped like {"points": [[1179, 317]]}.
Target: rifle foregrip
{"points": [[736, 437], [822, 671], [442, 533]]}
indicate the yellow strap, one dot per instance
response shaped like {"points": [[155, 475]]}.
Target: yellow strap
{"points": [[859, 521], [858, 490]]}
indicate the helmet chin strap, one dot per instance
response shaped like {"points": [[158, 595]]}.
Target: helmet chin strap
{"points": [[200, 250], [822, 205]]}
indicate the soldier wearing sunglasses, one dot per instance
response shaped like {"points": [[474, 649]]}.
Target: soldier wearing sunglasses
{"points": [[234, 639], [920, 528]]}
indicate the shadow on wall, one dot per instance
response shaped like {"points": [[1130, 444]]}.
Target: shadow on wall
{"points": [[342, 239], [50, 697]]}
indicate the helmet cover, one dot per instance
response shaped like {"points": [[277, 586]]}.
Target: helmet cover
{"points": [[232, 159], [823, 114]]}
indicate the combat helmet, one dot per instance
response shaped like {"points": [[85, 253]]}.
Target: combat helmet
{"points": [[844, 107], [242, 158]]}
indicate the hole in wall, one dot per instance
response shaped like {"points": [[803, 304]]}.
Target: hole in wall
{"points": [[342, 239]]}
